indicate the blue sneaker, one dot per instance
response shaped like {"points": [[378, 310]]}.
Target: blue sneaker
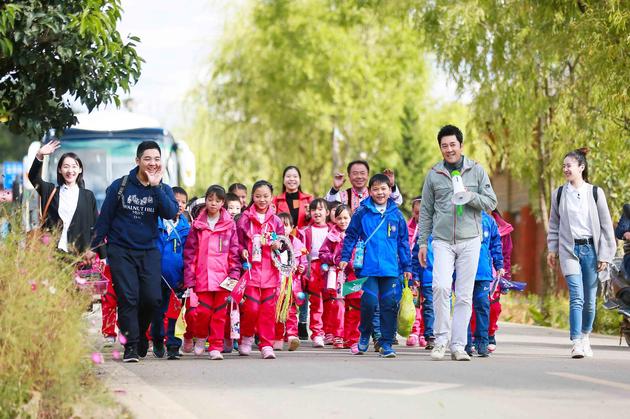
{"points": [[387, 351], [363, 345]]}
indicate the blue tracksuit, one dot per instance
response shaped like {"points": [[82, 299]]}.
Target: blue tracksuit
{"points": [[424, 276], [171, 246], [491, 254], [387, 254]]}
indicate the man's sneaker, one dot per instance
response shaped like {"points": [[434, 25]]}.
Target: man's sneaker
{"points": [[245, 347], [131, 354], [188, 346], [267, 353], [278, 345], [492, 344], [200, 346], [318, 342], [329, 339], [228, 346], [422, 342], [364, 344], [354, 349], [460, 355], [412, 340], [302, 331], [216, 355], [294, 343], [586, 345], [430, 343], [109, 341], [438, 352], [387, 351], [577, 352], [338, 343], [143, 347], [158, 349], [482, 349], [172, 352]]}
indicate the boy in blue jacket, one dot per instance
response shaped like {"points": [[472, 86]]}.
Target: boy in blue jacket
{"points": [[381, 229], [424, 277], [170, 243], [491, 254]]}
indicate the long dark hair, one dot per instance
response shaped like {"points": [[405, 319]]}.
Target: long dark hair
{"points": [[60, 179], [259, 184], [580, 156], [286, 169]]}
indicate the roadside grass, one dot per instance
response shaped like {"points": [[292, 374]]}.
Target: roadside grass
{"points": [[45, 366]]}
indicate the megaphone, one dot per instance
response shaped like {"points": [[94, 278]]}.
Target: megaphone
{"points": [[460, 195]]}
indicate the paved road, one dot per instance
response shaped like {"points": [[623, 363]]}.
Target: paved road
{"points": [[530, 375]]}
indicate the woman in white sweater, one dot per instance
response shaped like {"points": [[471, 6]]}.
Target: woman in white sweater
{"points": [[581, 235]]}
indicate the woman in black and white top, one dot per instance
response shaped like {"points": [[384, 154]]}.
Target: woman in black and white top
{"points": [[581, 235], [72, 208]]}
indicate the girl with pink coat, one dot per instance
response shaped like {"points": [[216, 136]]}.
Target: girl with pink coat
{"points": [[257, 229], [211, 256]]}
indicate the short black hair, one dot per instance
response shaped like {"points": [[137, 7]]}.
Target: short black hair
{"points": [[180, 190], [285, 216], [317, 202], [147, 145], [448, 130], [230, 197], [341, 208], [353, 162], [216, 190], [237, 187], [377, 179]]}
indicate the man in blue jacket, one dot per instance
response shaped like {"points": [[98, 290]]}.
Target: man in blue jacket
{"points": [[129, 222], [381, 229]]}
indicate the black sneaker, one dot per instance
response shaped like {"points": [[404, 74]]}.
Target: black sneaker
{"points": [[143, 347], [131, 354], [172, 352], [430, 343], [158, 349], [302, 331]]}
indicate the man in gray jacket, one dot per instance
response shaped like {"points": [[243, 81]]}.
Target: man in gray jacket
{"points": [[456, 233]]}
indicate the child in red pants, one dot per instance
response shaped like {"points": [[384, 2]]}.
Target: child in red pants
{"points": [[289, 331], [211, 256], [345, 313], [257, 229], [109, 303]]}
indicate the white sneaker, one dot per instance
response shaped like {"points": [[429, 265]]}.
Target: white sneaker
{"points": [[577, 352], [200, 346], [216, 355], [245, 347], [278, 345], [294, 343], [438, 352], [586, 346], [492, 347], [267, 352], [109, 341], [460, 355], [318, 342]]}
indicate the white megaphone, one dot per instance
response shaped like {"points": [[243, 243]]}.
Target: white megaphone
{"points": [[460, 195]]}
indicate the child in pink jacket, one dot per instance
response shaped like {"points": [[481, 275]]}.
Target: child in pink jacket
{"points": [[345, 312], [257, 229], [289, 331], [211, 256]]}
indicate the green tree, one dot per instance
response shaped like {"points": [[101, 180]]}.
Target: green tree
{"points": [[57, 51]]}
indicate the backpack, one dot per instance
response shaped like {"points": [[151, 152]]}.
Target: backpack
{"points": [[560, 194], [123, 184]]}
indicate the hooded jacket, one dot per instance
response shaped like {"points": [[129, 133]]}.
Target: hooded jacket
{"points": [[505, 231], [422, 275], [211, 254], [490, 254], [387, 253], [330, 252], [171, 246], [264, 274]]}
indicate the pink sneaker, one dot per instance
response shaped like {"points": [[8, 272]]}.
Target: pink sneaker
{"points": [[329, 339], [412, 340], [216, 355], [245, 347], [294, 343], [318, 342], [267, 352], [188, 346], [200, 346], [354, 349], [422, 342], [278, 345], [338, 343]]}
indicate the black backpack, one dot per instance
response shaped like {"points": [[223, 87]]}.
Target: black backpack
{"points": [[560, 194]]}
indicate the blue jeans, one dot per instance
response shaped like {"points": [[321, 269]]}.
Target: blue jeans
{"points": [[427, 309], [481, 304], [583, 292], [384, 293]]}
